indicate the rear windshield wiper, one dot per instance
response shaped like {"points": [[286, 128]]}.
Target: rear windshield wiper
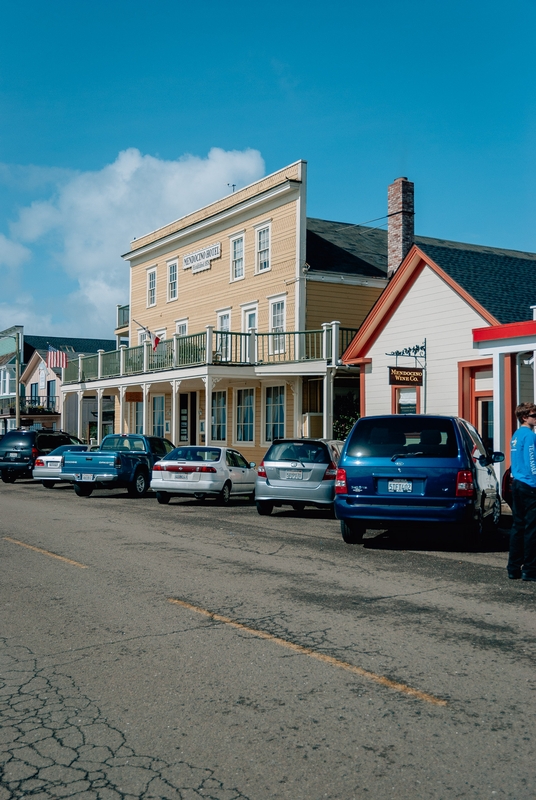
{"points": [[406, 455]]}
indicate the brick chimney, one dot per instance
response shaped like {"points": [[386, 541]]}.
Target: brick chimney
{"points": [[400, 227]]}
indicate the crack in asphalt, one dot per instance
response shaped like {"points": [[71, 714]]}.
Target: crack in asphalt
{"points": [[56, 742]]}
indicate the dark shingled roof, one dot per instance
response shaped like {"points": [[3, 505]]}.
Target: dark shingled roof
{"points": [[494, 277], [79, 346]]}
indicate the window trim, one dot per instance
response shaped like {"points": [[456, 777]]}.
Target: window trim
{"points": [[261, 226], [150, 272], [226, 393], [182, 321], [236, 442], [273, 344], [395, 393], [235, 237], [173, 262]]}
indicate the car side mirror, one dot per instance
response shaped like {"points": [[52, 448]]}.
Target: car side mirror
{"points": [[252, 465], [497, 457], [485, 461]]}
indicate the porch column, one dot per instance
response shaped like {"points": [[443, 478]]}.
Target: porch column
{"points": [[335, 325], [298, 423], [100, 392], [499, 405], [209, 343], [122, 348], [208, 408], [79, 428], [328, 403], [62, 410], [146, 387], [175, 386], [122, 390]]}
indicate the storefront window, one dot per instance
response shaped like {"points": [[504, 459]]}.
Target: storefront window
{"points": [[406, 400]]}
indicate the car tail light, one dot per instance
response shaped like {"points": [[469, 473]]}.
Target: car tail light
{"points": [[35, 452], [175, 468], [340, 482], [39, 462], [159, 468], [331, 472], [117, 461], [464, 484], [261, 472]]}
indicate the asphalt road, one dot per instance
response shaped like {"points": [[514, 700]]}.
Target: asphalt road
{"points": [[190, 651]]}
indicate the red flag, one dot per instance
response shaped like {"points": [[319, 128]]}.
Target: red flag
{"points": [[56, 358], [155, 340]]}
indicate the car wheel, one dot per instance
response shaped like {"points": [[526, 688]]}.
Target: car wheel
{"points": [[264, 507], [298, 506], [163, 498], [7, 477], [82, 489], [225, 495], [139, 485], [251, 497], [48, 484], [352, 532]]}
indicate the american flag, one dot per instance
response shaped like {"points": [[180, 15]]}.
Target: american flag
{"points": [[56, 358]]}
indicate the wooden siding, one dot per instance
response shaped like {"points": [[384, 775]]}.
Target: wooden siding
{"points": [[326, 302], [432, 311]]}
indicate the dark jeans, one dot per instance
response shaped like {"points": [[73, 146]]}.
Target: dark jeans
{"points": [[523, 534]]}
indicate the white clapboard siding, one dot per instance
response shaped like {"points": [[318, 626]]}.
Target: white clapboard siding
{"points": [[433, 311]]}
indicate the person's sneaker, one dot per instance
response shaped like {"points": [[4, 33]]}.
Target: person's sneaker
{"points": [[514, 574], [526, 577]]}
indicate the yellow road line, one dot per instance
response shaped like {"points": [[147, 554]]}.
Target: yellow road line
{"points": [[298, 648], [45, 552]]}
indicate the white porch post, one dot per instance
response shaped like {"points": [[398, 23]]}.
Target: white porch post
{"points": [[175, 386], [146, 427], [209, 344], [122, 348], [499, 442], [298, 427], [208, 408], [122, 390], [335, 326], [100, 392], [328, 404], [79, 420], [62, 410]]}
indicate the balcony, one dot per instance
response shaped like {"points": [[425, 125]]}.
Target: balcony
{"points": [[212, 347], [34, 406], [123, 317]]}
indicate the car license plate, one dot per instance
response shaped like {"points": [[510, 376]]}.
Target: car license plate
{"points": [[294, 475], [180, 476], [399, 486], [54, 464], [13, 455], [86, 477]]}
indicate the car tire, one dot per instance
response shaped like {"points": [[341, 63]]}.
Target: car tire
{"points": [[264, 507], [251, 497], [225, 495], [7, 477], [163, 498], [48, 484], [352, 532], [299, 507], [139, 485], [82, 490]]}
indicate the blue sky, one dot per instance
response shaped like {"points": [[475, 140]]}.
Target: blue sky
{"points": [[118, 117]]}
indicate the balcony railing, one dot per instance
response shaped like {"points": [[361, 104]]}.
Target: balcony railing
{"points": [[35, 405], [212, 347], [123, 316]]}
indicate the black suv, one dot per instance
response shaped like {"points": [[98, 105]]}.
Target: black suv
{"points": [[20, 448]]}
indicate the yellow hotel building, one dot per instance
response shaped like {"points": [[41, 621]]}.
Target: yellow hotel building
{"points": [[254, 305]]}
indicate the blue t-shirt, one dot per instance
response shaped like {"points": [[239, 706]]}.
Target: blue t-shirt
{"points": [[523, 451]]}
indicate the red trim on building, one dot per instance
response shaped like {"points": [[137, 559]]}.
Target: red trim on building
{"points": [[509, 331]]}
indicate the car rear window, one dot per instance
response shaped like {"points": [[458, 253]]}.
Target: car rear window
{"points": [[404, 436], [46, 442], [123, 443], [16, 439], [194, 454], [306, 452]]}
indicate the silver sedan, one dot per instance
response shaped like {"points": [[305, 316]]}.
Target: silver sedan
{"points": [[47, 468], [201, 472]]}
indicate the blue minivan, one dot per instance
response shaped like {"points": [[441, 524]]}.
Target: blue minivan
{"points": [[397, 469]]}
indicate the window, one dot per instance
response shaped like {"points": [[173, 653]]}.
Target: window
{"points": [[219, 416], [245, 403], [181, 327], [237, 258], [277, 323], [172, 280], [138, 418], [262, 247], [158, 415], [151, 287], [275, 413], [223, 341], [34, 391]]}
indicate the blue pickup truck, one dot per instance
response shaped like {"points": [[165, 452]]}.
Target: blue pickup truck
{"points": [[123, 461]]}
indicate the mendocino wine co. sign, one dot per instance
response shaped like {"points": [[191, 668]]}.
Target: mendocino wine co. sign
{"points": [[402, 376]]}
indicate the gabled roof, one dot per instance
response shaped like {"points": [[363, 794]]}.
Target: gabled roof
{"points": [[70, 344], [342, 247]]}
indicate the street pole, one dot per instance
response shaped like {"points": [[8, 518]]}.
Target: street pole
{"points": [[17, 379]]}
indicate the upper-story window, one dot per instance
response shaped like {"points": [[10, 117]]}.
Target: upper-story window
{"points": [[172, 280], [223, 339], [277, 325], [237, 258], [181, 327], [151, 287], [262, 248]]}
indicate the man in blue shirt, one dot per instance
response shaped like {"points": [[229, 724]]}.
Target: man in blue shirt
{"points": [[522, 556]]}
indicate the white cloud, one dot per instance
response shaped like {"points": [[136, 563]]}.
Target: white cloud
{"points": [[12, 254], [92, 216]]}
